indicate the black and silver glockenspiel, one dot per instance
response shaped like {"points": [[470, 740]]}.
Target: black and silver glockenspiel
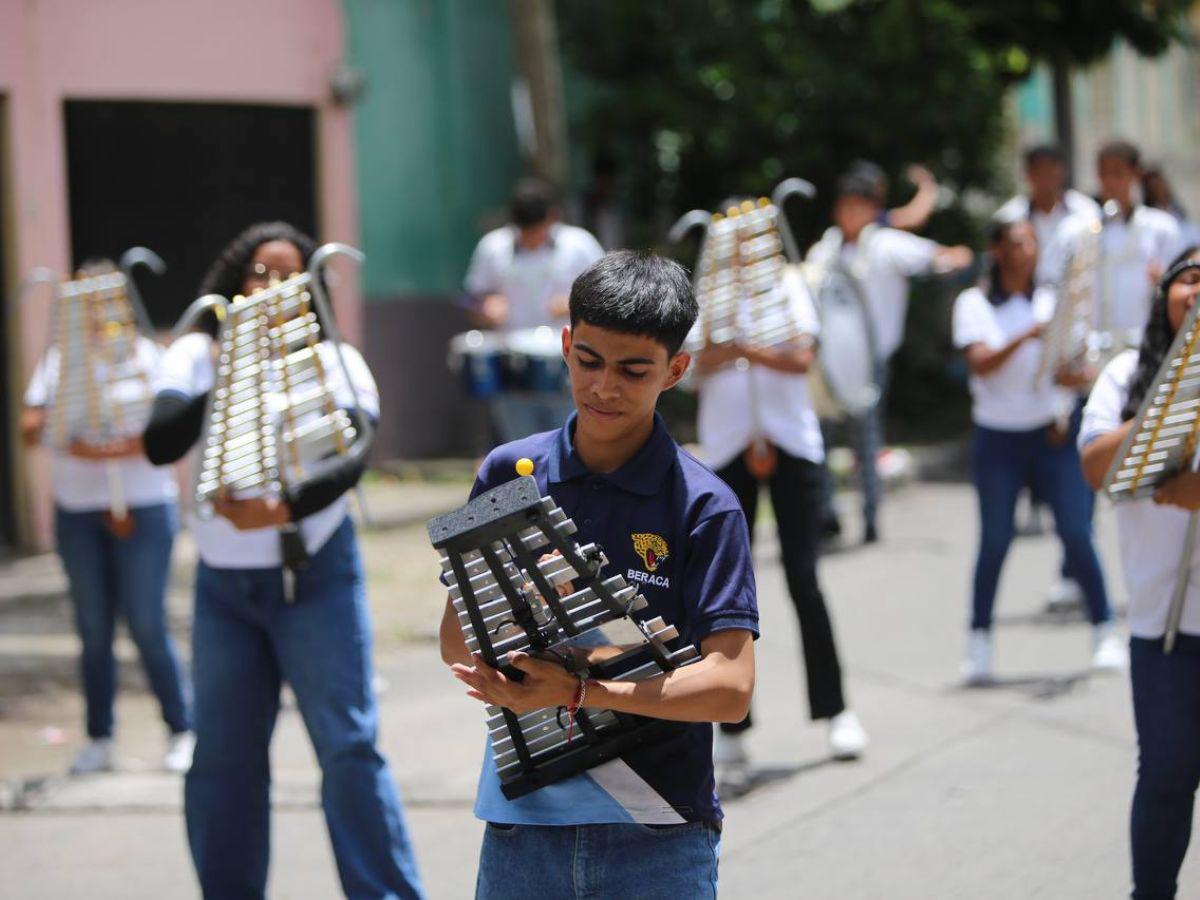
{"points": [[505, 556]]}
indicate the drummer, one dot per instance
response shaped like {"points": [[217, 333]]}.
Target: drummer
{"points": [[882, 259], [519, 281]]}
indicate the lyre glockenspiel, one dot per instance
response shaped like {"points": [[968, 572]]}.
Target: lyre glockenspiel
{"points": [[104, 381], [507, 556], [273, 419]]}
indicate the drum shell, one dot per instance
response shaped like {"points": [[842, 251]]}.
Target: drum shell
{"points": [[534, 362], [845, 380], [479, 359]]}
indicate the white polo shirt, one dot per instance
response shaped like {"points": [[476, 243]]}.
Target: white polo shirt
{"points": [[1012, 397], [739, 403], [1047, 226], [1128, 249], [188, 370], [530, 278], [82, 485], [882, 259], [1151, 536]]}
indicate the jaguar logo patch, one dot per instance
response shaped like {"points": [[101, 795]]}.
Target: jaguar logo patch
{"points": [[651, 548]]}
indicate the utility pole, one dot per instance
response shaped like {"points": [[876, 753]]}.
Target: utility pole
{"points": [[538, 65]]}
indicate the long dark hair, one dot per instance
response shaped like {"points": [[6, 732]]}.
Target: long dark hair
{"points": [[228, 272], [998, 229], [1156, 339]]}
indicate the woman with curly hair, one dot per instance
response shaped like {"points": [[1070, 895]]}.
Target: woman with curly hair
{"points": [[280, 596], [1153, 531]]}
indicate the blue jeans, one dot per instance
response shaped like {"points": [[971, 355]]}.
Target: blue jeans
{"points": [[1166, 708], [108, 574], [246, 640], [866, 437], [518, 414], [518, 862], [1004, 462]]}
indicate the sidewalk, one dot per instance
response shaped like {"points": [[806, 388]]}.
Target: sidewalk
{"points": [[1017, 791]]}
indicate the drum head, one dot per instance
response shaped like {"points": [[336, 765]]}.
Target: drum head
{"points": [[847, 354]]}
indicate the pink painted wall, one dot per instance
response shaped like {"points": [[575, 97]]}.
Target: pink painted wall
{"points": [[265, 51]]}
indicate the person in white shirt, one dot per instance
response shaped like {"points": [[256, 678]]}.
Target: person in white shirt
{"points": [[1047, 205], [1153, 534], [756, 424], [1018, 440], [115, 563], [882, 260], [1136, 244], [280, 596], [519, 279]]}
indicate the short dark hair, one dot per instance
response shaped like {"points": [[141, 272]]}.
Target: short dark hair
{"points": [[863, 179], [531, 202], [1045, 152], [636, 293], [1122, 150]]}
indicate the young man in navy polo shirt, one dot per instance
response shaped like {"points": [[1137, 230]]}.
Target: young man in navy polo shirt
{"points": [[648, 823]]}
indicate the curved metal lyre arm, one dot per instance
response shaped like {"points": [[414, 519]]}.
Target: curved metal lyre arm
{"points": [[689, 221], [316, 264], [218, 304], [130, 259], [788, 188]]}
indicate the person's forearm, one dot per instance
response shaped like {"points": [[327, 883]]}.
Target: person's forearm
{"points": [[795, 359], [983, 361], [450, 637], [711, 690], [1097, 457]]}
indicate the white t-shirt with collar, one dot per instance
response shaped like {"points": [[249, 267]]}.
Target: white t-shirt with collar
{"points": [[739, 403], [1151, 536], [1011, 398], [82, 485], [530, 278], [1128, 250], [1052, 251], [882, 259], [188, 370]]}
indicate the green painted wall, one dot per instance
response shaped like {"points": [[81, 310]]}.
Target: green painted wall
{"points": [[437, 151]]}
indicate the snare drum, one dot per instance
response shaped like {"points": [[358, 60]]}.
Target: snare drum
{"points": [[534, 361], [478, 357], [844, 381]]}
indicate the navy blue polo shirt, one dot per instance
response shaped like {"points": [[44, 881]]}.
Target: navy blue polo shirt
{"points": [[673, 528]]}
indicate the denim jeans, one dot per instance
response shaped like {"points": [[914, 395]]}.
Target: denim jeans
{"points": [[866, 438], [108, 574], [1002, 463], [1166, 708], [518, 414], [246, 640], [796, 490], [519, 862]]}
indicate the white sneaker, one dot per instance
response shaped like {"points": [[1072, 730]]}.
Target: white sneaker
{"points": [[1066, 594], [1109, 653], [729, 750], [96, 756], [178, 757], [977, 667], [847, 738]]}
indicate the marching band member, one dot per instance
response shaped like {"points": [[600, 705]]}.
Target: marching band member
{"points": [[1047, 206], [115, 564], [647, 824], [1136, 244], [1152, 533], [1017, 440], [251, 633], [748, 394], [882, 259], [519, 278]]}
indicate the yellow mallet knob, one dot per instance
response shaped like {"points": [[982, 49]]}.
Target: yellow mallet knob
{"points": [[524, 466]]}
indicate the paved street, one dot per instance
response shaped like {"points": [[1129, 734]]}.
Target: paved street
{"points": [[1016, 791]]}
